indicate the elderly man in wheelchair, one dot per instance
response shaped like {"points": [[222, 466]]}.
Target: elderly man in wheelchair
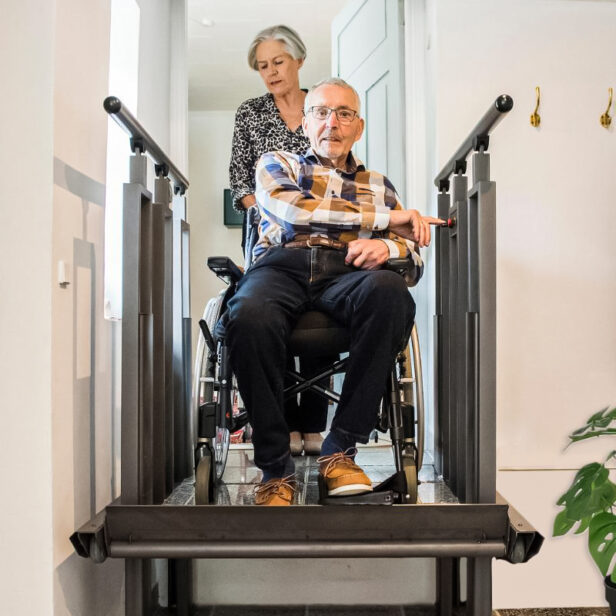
{"points": [[333, 238]]}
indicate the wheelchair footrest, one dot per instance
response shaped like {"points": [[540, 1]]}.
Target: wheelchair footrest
{"points": [[388, 492]]}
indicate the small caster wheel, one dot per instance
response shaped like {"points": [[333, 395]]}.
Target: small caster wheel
{"points": [[204, 485], [410, 473]]}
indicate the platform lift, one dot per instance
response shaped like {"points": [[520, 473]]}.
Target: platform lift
{"points": [[157, 448]]}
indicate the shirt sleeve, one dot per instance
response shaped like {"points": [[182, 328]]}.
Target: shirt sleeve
{"points": [[281, 200], [241, 174], [400, 247]]}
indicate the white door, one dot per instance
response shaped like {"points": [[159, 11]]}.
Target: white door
{"points": [[368, 53]]}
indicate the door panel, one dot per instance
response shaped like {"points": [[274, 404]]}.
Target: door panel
{"points": [[360, 36], [368, 53], [375, 106]]}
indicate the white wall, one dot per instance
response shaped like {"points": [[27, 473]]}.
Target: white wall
{"points": [[210, 134], [81, 342], [154, 65], [556, 256], [419, 156], [25, 322], [56, 458]]}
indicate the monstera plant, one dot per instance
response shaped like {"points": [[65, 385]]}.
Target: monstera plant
{"points": [[589, 502]]}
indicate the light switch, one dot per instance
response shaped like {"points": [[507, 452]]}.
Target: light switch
{"points": [[63, 277]]}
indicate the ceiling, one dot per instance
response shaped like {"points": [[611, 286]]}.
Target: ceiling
{"points": [[218, 73]]}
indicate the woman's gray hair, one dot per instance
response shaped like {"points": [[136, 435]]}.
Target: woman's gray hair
{"points": [[332, 81], [291, 40]]}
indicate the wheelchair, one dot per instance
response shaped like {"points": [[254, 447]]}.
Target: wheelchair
{"points": [[217, 409]]}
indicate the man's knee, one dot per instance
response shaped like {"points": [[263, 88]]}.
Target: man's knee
{"points": [[390, 292], [245, 317], [255, 321]]}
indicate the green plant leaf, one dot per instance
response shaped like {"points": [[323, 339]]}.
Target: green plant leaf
{"points": [[597, 424], [590, 493], [602, 540], [593, 434], [584, 524], [597, 416], [562, 524]]}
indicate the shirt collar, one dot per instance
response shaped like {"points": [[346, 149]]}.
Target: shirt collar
{"points": [[353, 164]]}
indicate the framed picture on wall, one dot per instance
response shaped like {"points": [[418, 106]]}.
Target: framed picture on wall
{"points": [[231, 217]]}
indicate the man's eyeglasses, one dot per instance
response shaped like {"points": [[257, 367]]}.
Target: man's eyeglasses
{"points": [[345, 116]]}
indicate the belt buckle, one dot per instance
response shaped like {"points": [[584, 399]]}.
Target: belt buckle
{"points": [[309, 243]]}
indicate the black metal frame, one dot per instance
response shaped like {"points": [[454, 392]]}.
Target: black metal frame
{"points": [[156, 342], [141, 140], [478, 139], [155, 320], [447, 532], [465, 319], [439, 530], [465, 337], [156, 368]]}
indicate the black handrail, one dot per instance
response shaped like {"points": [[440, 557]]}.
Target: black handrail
{"points": [[141, 140], [477, 139]]}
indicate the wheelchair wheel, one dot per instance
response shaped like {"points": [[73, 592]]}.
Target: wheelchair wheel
{"points": [[206, 389], [411, 382]]}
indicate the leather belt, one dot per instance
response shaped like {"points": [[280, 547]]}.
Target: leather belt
{"points": [[303, 241]]}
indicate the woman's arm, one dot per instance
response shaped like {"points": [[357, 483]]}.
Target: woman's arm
{"points": [[241, 175], [248, 201]]}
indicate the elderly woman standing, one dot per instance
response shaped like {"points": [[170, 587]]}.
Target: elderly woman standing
{"points": [[265, 124]]}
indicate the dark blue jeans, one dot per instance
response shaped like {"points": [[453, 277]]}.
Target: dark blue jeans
{"points": [[375, 306]]}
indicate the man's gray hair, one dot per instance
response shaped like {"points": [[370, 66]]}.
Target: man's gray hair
{"points": [[287, 36], [331, 81]]}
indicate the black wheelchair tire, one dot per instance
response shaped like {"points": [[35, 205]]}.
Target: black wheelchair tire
{"points": [[411, 393]]}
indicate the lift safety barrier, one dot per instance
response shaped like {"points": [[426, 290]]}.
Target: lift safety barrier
{"points": [[465, 339]]}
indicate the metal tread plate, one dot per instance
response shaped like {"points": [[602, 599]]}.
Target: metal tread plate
{"points": [[444, 530]]}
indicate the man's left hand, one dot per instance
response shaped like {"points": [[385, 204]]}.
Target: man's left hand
{"points": [[367, 254]]}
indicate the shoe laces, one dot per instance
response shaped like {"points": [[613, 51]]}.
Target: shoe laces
{"points": [[273, 486], [340, 457]]}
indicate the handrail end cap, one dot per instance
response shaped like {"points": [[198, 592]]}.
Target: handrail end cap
{"points": [[112, 104], [504, 103]]}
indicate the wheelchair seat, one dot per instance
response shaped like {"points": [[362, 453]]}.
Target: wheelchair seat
{"points": [[316, 334]]}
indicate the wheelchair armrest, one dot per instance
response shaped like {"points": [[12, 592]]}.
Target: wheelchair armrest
{"points": [[406, 268], [225, 269]]}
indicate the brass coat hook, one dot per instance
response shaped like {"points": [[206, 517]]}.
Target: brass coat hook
{"points": [[605, 119], [535, 118]]}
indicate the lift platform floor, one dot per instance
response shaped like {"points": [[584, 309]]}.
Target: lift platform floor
{"points": [[241, 475]]}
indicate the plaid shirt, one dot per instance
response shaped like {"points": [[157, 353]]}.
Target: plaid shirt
{"points": [[296, 194]]}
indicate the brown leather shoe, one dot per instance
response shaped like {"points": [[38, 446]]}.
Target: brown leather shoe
{"points": [[312, 443], [342, 476], [276, 492], [295, 443]]}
